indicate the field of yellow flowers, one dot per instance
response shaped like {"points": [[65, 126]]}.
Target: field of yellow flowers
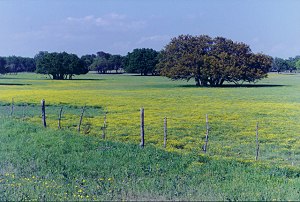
{"points": [[233, 112]]}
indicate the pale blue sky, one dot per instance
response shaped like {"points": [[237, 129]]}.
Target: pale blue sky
{"points": [[87, 26]]}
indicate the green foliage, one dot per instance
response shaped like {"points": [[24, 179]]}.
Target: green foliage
{"points": [[3, 68], [141, 61], [212, 61], [16, 64], [59, 65], [298, 64], [88, 60], [281, 65], [105, 62]]}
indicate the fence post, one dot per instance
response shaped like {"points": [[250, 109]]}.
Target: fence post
{"points": [[142, 144], [81, 116], [257, 143], [23, 108], [207, 133], [104, 126], [12, 107], [59, 117], [165, 132], [43, 113]]}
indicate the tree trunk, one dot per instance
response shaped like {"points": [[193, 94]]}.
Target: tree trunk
{"points": [[197, 80]]}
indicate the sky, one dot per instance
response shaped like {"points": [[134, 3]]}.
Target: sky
{"points": [[119, 26]]}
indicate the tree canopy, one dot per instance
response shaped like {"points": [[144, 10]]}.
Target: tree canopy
{"points": [[141, 61], [212, 61], [105, 62], [59, 65], [3, 68]]}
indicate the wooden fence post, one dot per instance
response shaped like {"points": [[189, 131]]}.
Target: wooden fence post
{"points": [[23, 110], [59, 117], [43, 113], [12, 107], [142, 144], [165, 132], [104, 126], [81, 116], [257, 143], [206, 136]]}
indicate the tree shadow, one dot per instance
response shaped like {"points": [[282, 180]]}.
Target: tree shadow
{"points": [[14, 84], [11, 78], [81, 79], [235, 86]]}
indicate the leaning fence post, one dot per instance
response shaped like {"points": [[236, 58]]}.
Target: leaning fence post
{"points": [[104, 126], [12, 107], [43, 113], [165, 132], [257, 143], [142, 144], [59, 117], [81, 116], [206, 136]]}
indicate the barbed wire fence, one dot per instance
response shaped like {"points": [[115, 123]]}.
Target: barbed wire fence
{"points": [[100, 122]]}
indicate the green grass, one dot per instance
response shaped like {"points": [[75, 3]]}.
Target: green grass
{"points": [[233, 111], [39, 164], [51, 164]]}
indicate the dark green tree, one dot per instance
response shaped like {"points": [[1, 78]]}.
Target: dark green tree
{"points": [[184, 58], [3, 68], [88, 60], [59, 65], [281, 65], [116, 63], [100, 64], [142, 61]]}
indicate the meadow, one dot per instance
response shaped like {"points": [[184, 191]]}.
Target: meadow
{"points": [[233, 113]]}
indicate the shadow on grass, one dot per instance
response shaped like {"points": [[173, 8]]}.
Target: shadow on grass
{"points": [[235, 86], [10, 78], [14, 84], [82, 79]]}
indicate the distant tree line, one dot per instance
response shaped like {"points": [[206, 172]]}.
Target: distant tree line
{"points": [[142, 61], [286, 65], [15, 64], [209, 61]]}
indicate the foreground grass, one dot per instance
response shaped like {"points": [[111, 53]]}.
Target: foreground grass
{"points": [[46, 164]]}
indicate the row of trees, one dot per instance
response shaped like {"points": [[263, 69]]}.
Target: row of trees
{"points": [[14, 64], [209, 61], [65, 66], [142, 61], [282, 65]]}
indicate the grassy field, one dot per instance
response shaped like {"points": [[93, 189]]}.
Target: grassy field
{"points": [[38, 164], [233, 113]]}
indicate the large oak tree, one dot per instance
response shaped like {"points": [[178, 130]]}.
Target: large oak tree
{"points": [[212, 61]]}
